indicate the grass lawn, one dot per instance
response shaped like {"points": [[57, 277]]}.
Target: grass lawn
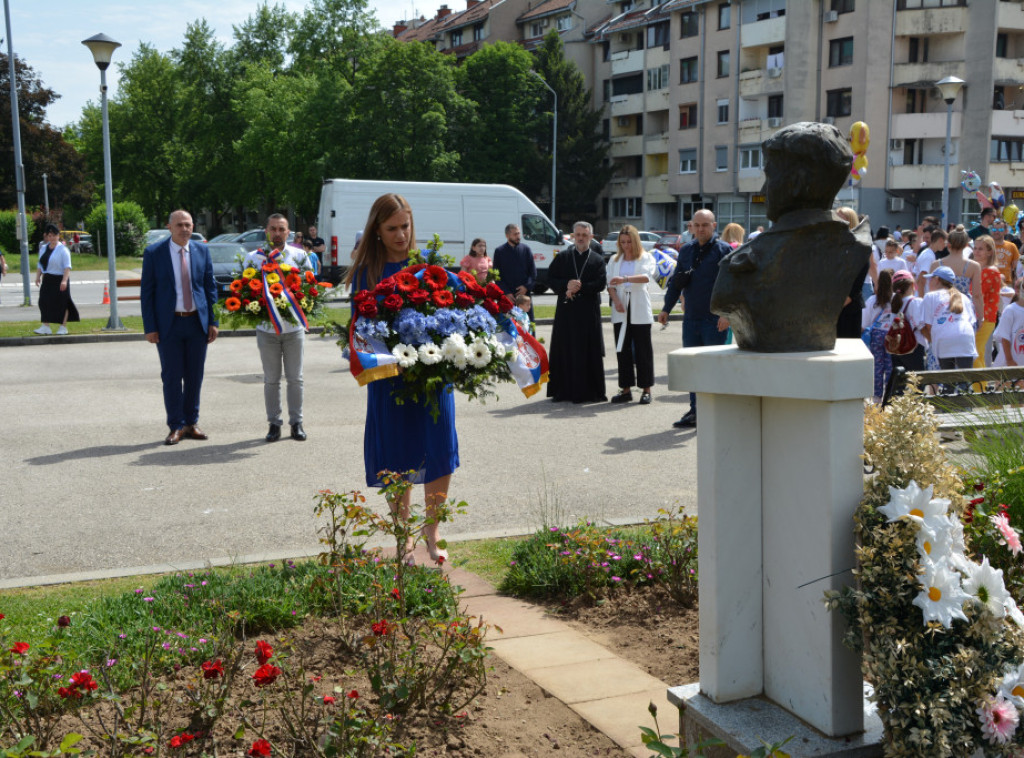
{"points": [[85, 326], [79, 262]]}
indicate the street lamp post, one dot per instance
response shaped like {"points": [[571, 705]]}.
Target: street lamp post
{"points": [[21, 231], [554, 147], [949, 87], [102, 48], [46, 198]]}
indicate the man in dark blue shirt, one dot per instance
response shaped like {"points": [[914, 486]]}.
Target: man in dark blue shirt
{"points": [[696, 271], [514, 261]]}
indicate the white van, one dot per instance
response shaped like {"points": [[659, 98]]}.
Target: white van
{"points": [[458, 213]]}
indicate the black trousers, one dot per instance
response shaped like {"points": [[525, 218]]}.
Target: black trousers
{"points": [[636, 359]]}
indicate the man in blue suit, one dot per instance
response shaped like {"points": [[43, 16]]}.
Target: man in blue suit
{"points": [[177, 296]]}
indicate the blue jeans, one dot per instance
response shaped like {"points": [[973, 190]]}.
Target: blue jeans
{"points": [[700, 332]]}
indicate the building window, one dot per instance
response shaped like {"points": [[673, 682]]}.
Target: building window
{"points": [[721, 158], [457, 38], [688, 161], [750, 157], [723, 111], [564, 23], [689, 25], [537, 29], [626, 207], [723, 63], [775, 106], [688, 116], [688, 70], [840, 103], [657, 78], [1005, 149], [840, 52], [658, 35], [478, 32], [905, 5], [1001, 41], [724, 15], [606, 89], [628, 85], [842, 6]]}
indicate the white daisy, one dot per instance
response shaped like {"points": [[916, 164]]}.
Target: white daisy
{"points": [[985, 585], [913, 502], [941, 539], [254, 306], [453, 349], [1011, 686], [941, 598], [406, 354], [479, 354], [430, 354], [1014, 612]]}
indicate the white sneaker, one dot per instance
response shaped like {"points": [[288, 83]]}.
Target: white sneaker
{"points": [[62, 330], [44, 329]]}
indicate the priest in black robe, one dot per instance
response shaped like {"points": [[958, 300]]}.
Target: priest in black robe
{"points": [[576, 359]]}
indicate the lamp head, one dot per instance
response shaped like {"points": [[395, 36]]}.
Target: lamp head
{"points": [[102, 48], [950, 88]]}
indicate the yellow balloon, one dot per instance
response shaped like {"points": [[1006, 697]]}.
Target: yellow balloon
{"points": [[860, 163], [1010, 214], [860, 137]]}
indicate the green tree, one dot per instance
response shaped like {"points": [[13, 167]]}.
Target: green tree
{"points": [[334, 34], [404, 106], [499, 137], [9, 234], [582, 173], [263, 37], [130, 226]]}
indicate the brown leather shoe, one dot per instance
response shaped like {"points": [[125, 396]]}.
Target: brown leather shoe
{"points": [[174, 437], [193, 432]]}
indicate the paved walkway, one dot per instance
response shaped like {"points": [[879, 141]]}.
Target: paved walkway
{"points": [[608, 692]]}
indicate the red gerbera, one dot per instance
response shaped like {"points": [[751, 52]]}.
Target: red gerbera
{"points": [[405, 282], [260, 748], [418, 297], [434, 277], [415, 269], [212, 669], [442, 298], [310, 277], [256, 286], [266, 674], [263, 652], [393, 302], [466, 278]]}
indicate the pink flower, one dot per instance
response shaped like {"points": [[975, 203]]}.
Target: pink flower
{"points": [[998, 719], [1010, 536]]}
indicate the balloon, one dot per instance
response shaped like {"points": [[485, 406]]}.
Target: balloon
{"points": [[860, 137], [1010, 214], [971, 181], [860, 164], [982, 200], [996, 195]]}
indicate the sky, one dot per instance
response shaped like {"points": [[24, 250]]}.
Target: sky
{"points": [[47, 35]]}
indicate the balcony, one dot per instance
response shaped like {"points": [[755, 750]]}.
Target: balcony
{"points": [[627, 62], [749, 130], [1010, 17], [625, 186], [918, 23], [771, 31], [656, 143], [657, 99], [626, 144], [1007, 122], [657, 56], [656, 189], [1007, 174], [1008, 70], [627, 105], [920, 74], [925, 125], [923, 176]]}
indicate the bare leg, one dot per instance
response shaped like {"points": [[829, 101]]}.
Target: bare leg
{"points": [[436, 492]]}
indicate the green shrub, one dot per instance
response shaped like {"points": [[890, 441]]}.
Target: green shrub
{"points": [[9, 233], [130, 227]]}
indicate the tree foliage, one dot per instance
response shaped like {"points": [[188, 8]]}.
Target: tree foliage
{"points": [[130, 226]]}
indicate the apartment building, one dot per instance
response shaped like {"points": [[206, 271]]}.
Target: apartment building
{"points": [[692, 88]]}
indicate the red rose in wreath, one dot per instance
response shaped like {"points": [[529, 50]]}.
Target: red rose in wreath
{"points": [[385, 287], [393, 302], [419, 297], [367, 308], [490, 306], [464, 299], [505, 304], [493, 290]]}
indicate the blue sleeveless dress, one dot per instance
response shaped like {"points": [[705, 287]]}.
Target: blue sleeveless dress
{"points": [[405, 437]]}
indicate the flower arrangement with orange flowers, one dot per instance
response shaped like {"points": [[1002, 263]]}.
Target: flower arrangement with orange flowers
{"points": [[438, 329], [275, 292]]}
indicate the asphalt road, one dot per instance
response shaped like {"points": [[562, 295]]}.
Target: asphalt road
{"points": [[87, 484]]}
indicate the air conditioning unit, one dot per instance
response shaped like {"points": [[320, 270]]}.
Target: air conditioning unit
{"points": [[828, 120], [831, 17], [895, 204], [895, 144], [774, 122], [774, 73], [625, 121]]}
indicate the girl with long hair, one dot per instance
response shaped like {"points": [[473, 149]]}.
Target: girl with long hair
{"points": [[991, 285], [905, 301], [949, 321], [876, 318]]}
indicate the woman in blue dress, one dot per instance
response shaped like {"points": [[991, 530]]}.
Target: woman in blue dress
{"points": [[402, 437]]}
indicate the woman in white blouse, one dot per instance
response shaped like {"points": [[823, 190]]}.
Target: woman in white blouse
{"points": [[53, 278], [630, 271]]}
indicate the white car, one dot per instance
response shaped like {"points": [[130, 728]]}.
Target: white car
{"points": [[647, 239]]}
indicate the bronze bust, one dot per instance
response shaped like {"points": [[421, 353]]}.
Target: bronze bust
{"points": [[783, 290]]}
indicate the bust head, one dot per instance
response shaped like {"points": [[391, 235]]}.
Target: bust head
{"points": [[805, 166]]}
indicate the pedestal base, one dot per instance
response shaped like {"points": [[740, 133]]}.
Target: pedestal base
{"points": [[739, 725]]}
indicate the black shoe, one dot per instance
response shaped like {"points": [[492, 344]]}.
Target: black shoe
{"points": [[645, 398], [274, 433], [626, 396], [687, 421], [298, 433]]}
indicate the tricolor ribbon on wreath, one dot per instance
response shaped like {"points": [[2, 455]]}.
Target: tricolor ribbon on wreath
{"points": [[275, 318]]}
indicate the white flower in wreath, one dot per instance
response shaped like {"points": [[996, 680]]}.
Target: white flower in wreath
{"points": [[430, 354], [941, 598], [405, 354], [913, 502], [453, 349], [985, 584], [304, 304], [281, 303], [479, 354], [254, 307], [1011, 686], [941, 539]]}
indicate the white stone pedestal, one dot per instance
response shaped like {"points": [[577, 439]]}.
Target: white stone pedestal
{"points": [[779, 477]]}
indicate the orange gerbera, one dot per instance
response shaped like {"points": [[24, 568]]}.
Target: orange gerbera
{"points": [[325, 285], [256, 286], [232, 303], [276, 289], [310, 277], [236, 285], [293, 281]]}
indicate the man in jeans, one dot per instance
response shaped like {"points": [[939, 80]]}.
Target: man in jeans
{"points": [[282, 349], [694, 279]]}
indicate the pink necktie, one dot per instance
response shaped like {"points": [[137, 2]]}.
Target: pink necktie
{"points": [[186, 282]]}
